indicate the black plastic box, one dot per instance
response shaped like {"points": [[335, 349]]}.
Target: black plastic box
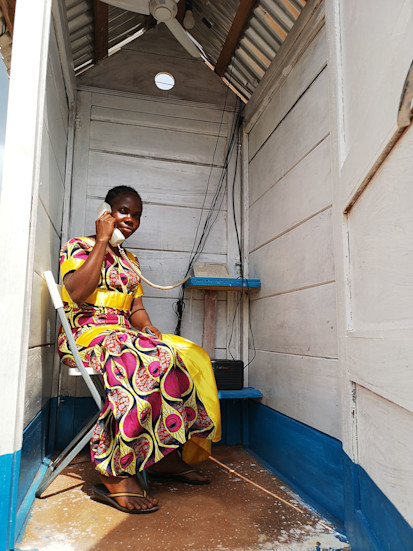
{"points": [[229, 374]]}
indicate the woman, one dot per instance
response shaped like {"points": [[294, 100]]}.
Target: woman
{"points": [[152, 407]]}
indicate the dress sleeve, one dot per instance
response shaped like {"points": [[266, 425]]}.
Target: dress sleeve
{"points": [[73, 254]]}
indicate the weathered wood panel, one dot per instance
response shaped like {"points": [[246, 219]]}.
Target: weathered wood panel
{"points": [[306, 125], [54, 116], [158, 181], [304, 388], [302, 322], [369, 65], [47, 244], [152, 120], [42, 335], [42, 315], [380, 227], [171, 228], [383, 363], [299, 258], [300, 77], [55, 69], [301, 193], [39, 377], [386, 448], [51, 189], [155, 142]]}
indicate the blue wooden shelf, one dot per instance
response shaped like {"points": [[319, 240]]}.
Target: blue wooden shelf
{"points": [[222, 283], [248, 392]]}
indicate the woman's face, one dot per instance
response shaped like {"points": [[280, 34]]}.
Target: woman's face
{"points": [[127, 211]]}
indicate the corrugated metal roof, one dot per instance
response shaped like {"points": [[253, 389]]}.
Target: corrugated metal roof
{"points": [[266, 30]]}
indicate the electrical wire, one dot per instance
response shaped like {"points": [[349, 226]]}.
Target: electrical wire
{"points": [[213, 211]]}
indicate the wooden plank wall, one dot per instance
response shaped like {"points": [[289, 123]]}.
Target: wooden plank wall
{"points": [[291, 248], [164, 149], [41, 356]]}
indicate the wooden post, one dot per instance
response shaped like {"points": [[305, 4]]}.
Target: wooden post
{"points": [[210, 316]]}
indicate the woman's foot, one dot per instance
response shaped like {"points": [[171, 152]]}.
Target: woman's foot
{"points": [[128, 485], [172, 465]]}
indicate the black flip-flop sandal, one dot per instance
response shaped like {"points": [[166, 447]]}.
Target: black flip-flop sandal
{"points": [[102, 494]]}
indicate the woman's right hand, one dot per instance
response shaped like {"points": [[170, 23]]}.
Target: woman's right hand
{"points": [[105, 225]]}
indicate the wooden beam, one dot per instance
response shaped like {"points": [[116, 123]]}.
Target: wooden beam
{"points": [[181, 11], [8, 7], [100, 12], [238, 25]]}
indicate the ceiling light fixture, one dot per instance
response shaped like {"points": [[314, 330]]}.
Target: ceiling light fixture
{"points": [[164, 81]]}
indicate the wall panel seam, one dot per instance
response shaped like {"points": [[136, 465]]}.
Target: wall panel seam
{"points": [[297, 289], [290, 228], [166, 159], [283, 352], [288, 112], [291, 168]]}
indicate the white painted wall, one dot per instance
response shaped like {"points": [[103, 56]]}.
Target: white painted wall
{"points": [[372, 170], [41, 356], [290, 239]]}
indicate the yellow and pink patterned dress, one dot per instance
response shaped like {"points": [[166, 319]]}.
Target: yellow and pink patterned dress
{"points": [[152, 404]]}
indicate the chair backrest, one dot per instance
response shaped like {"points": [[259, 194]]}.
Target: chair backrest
{"points": [[55, 294]]}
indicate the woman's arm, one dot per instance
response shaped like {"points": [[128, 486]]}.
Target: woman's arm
{"points": [[82, 282], [139, 318]]}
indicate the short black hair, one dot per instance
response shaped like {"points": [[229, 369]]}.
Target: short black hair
{"points": [[121, 190]]}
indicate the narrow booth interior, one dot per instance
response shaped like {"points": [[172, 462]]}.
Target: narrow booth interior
{"points": [[235, 150]]}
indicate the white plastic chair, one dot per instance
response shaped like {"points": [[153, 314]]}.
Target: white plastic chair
{"points": [[81, 440]]}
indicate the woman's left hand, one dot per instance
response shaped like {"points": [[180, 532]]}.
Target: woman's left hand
{"points": [[154, 330]]}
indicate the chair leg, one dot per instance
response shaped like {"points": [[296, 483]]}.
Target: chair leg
{"points": [[66, 456]]}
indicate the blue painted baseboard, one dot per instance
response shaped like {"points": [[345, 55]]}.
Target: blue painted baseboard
{"points": [[372, 522], [315, 466], [310, 461], [9, 469]]}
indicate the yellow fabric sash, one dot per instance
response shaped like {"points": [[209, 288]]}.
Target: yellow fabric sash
{"points": [[199, 367], [102, 297]]}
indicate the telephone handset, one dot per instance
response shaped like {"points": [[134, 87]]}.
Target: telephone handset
{"points": [[116, 241], [117, 236]]}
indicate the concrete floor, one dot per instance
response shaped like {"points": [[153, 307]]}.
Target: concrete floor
{"points": [[229, 514]]}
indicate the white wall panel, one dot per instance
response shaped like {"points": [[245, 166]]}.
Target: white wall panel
{"points": [[304, 388], [42, 334], [300, 77], [299, 258], [380, 227], [155, 120], [302, 322], [156, 142], [302, 192], [386, 448], [291, 246], [158, 181], [51, 190], [42, 315], [171, 228], [47, 244], [156, 106], [306, 125], [38, 380]]}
